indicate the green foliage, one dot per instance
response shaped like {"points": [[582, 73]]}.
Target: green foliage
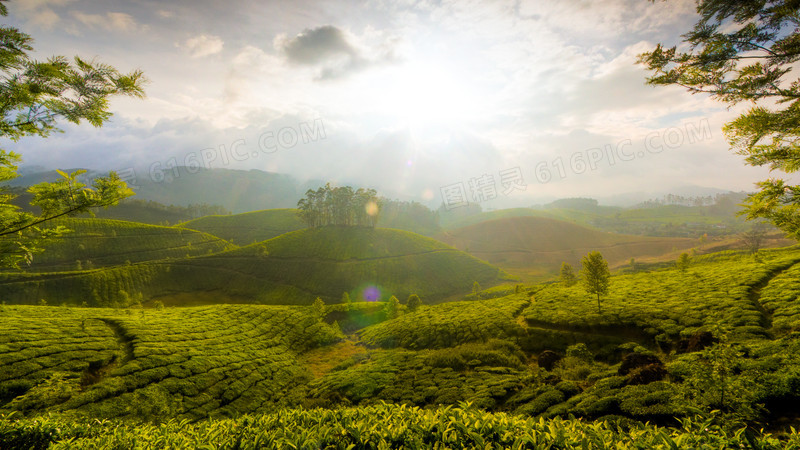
{"points": [[414, 302], [180, 362], [567, 275], [339, 206], [35, 95], [476, 288], [449, 324], [596, 276], [742, 52], [318, 308], [382, 426], [580, 351], [683, 262], [392, 308]]}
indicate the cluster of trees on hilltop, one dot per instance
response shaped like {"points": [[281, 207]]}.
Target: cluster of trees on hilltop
{"points": [[339, 206]]}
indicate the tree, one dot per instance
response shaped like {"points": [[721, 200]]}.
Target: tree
{"points": [[35, 96], [744, 52], [318, 308], [567, 276], [682, 263], [339, 206], [413, 302], [392, 308], [754, 237], [476, 288], [346, 298], [596, 276]]}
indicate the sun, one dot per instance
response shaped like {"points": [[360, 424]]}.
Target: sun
{"points": [[423, 94]]}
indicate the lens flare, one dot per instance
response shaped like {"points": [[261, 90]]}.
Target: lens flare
{"points": [[372, 209], [371, 294]]}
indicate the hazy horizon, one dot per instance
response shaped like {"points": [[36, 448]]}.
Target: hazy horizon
{"points": [[503, 103]]}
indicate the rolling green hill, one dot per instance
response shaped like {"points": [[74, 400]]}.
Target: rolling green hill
{"points": [[535, 247], [328, 261], [226, 360], [104, 242], [189, 363], [293, 268], [248, 228]]}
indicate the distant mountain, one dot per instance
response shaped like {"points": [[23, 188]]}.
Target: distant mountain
{"points": [[235, 190], [633, 198]]}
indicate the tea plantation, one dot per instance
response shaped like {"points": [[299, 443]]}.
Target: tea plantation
{"points": [[672, 352]]}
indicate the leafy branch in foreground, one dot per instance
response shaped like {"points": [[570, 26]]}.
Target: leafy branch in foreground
{"points": [[743, 52], [34, 95]]}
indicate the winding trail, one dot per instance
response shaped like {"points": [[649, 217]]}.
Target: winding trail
{"points": [[123, 337], [754, 294]]}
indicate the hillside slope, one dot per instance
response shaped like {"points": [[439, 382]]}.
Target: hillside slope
{"points": [[526, 246], [105, 242], [331, 260], [293, 268], [248, 228], [225, 360]]}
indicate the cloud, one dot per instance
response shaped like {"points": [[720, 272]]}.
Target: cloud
{"points": [[316, 45], [112, 21], [334, 52], [39, 12], [203, 45], [45, 18]]}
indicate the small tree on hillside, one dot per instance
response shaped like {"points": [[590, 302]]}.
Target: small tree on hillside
{"points": [[318, 308], [392, 308], [683, 262], [568, 277], [346, 298], [754, 237], [476, 288], [414, 302], [596, 276]]}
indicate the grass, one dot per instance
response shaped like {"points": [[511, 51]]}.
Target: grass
{"points": [[248, 228]]}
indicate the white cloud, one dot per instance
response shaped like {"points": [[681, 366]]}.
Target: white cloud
{"points": [[39, 12], [45, 18], [111, 21], [203, 45]]}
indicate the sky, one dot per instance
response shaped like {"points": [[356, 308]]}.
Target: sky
{"points": [[505, 103]]}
